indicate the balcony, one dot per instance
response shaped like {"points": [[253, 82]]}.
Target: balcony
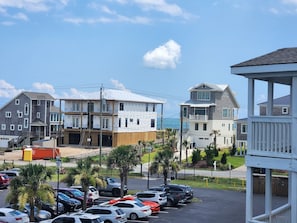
{"points": [[198, 117], [271, 136]]}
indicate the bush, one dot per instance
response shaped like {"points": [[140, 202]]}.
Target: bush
{"points": [[224, 158]]}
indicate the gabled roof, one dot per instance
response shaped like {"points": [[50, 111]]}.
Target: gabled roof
{"points": [[38, 95], [116, 95], [209, 87], [281, 101]]}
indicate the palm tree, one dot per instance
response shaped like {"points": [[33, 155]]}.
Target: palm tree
{"points": [[215, 133], [164, 161], [186, 144], [85, 175], [30, 187], [125, 158]]}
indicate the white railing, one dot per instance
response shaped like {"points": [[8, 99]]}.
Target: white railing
{"points": [[271, 136], [279, 215], [198, 117]]}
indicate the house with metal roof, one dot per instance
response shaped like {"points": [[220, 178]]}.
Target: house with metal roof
{"points": [[110, 118], [272, 141], [25, 118], [210, 112]]}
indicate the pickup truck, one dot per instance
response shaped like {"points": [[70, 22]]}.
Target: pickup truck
{"points": [[112, 187]]}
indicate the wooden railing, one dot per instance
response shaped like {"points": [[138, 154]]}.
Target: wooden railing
{"points": [[270, 136], [198, 117]]}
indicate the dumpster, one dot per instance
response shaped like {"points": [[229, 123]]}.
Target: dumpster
{"points": [[39, 152], [27, 154]]}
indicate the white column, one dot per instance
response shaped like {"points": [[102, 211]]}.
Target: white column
{"points": [[293, 198], [270, 98], [251, 96], [249, 195], [268, 191]]}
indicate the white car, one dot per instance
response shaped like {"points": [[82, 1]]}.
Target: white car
{"points": [[155, 196], [134, 209], [75, 218], [109, 214], [13, 216], [93, 193]]}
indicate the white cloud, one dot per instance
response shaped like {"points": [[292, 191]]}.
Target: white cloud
{"points": [[44, 87], [20, 16], [7, 23], [7, 90], [163, 57], [292, 2], [118, 85]]}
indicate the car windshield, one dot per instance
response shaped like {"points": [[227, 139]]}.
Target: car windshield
{"points": [[15, 213], [63, 196], [97, 220], [77, 193], [139, 204]]}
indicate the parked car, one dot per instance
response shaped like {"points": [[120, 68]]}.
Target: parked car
{"points": [[11, 173], [93, 193], [109, 214], [155, 207], [134, 209], [113, 187], [70, 204], [52, 208], [39, 214], [4, 180], [76, 194], [155, 196], [180, 187], [173, 197], [13, 216], [75, 218]]}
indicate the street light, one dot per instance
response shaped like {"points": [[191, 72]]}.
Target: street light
{"points": [[148, 167], [58, 163]]}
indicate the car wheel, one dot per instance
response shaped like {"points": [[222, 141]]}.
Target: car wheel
{"points": [[107, 221], [170, 203], [133, 216], [116, 192]]}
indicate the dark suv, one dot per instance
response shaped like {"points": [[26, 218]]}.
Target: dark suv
{"points": [[189, 194]]}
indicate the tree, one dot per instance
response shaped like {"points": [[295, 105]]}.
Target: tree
{"points": [[85, 175], [224, 158], [30, 187], [124, 157], [209, 156], [186, 145], [215, 133], [164, 161], [196, 156]]}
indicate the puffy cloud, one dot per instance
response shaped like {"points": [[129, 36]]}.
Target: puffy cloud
{"points": [[164, 56], [44, 87], [118, 85], [8, 90]]}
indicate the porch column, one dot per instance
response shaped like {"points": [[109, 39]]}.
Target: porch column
{"points": [[269, 108], [268, 191], [293, 198], [249, 194], [251, 96]]}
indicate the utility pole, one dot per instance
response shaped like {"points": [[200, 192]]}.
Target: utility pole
{"points": [[101, 104], [181, 135]]}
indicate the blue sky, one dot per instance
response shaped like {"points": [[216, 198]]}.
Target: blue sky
{"points": [[157, 48]]}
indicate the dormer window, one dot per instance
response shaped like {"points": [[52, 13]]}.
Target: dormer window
{"points": [[203, 95]]}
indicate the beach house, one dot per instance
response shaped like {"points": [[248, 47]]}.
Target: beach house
{"points": [[272, 141]]}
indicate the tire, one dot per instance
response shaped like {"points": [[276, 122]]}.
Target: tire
{"points": [[170, 203], [116, 192], [107, 221], [133, 216]]}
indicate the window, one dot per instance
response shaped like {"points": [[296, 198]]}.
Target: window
{"points": [[121, 106], [75, 122], [75, 106], [3, 127], [227, 112], [243, 128], [203, 95], [26, 123], [26, 109], [105, 123], [185, 112], [7, 114], [154, 107], [17, 101], [20, 127], [196, 126], [120, 122], [12, 127], [138, 121], [146, 107], [126, 122], [152, 123], [285, 110], [204, 127], [38, 102], [20, 114], [38, 114]]}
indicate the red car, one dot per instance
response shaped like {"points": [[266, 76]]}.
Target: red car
{"points": [[4, 180], [155, 207]]}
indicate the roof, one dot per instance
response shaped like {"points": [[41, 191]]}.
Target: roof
{"points": [[210, 87], [117, 95], [281, 101], [280, 56], [195, 104], [38, 95]]}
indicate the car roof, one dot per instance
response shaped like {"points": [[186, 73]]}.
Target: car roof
{"points": [[6, 210], [150, 192], [84, 215], [103, 207]]}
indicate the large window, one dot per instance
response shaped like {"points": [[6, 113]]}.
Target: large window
{"points": [[75, 122], [153, 123], [196, 126], [26, 123], [227, 113], [75, 106], [243, 128], [203, 95], [7, 114], [26, 109], [121, 106], [204, 127]]}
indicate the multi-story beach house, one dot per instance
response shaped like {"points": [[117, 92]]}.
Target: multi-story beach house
{"points": [[272, 141], [117, 117], [25, 118], [209, 114], [241, 135]]}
